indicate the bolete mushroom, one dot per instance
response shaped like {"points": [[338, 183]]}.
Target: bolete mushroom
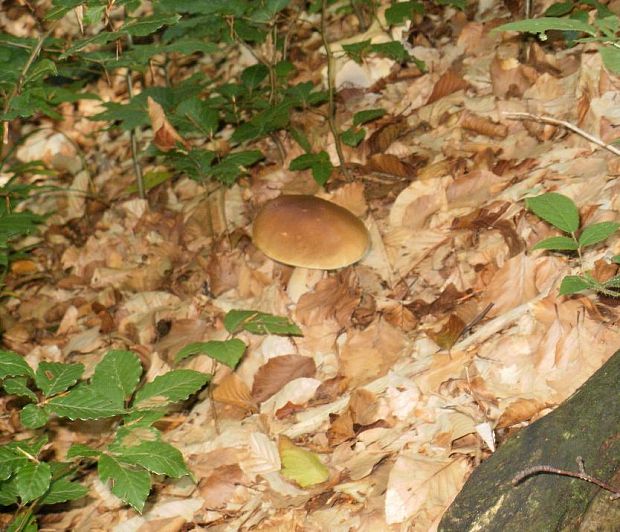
{"points": [[310, 232]]}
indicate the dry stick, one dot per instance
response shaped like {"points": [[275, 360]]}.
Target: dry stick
{"points": [[581, 475], [331, 110], [554, 121], [133, 137]]}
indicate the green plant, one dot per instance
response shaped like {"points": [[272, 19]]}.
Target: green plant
{"points": [[573, 19], [561, 212], [30, 477]]}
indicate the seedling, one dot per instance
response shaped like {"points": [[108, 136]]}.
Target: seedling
{"points": [[561, 212]]}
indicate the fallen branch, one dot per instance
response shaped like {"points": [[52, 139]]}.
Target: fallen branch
{"points": [[563, 123]]}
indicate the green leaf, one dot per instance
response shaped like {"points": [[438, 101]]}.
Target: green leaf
{"points": [[84, 402], [63, 490], [571, 284], [128, 483], [8, 492], [18, 386], [155, 456], [595, 233], [143, 26], [81, 450], [33, 416], [234, 165], [254, 75], [556, 209], [24, 521], [33, 480], [559, 9], [542, 25], [300, 465], [151, 179], [301, 139], [117, 375], [259, 323], [614, 282], [55, 377], [557, 243], [319, 163], [402, 11], [357, 50], [11, 460], [367, 116], [352, 136], [392, 49], [173, 386], [227, 352], [12, 364]]}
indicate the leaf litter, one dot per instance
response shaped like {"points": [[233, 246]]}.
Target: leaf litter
{"points": [[374, 418]]}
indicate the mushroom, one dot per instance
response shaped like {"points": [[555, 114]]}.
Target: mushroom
{"points": [[310, 232]]}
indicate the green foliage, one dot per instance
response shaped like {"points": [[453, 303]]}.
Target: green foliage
{"points": [[136, 451], [55, 389], [561, 212], [572, 18]]}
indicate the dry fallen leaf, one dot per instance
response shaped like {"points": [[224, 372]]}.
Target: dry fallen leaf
{"points": [[278, 371]]}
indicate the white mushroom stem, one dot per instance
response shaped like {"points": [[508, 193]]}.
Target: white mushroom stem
{"points": [[302, 280]]}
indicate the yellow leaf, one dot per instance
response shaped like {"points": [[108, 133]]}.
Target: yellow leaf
{"points": [[304, 467]]}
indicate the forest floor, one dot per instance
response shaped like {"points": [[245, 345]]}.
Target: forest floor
{"points": [[427, 354]]}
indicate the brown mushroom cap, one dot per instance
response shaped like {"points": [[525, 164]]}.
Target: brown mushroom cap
{"points": [[310, 232]]}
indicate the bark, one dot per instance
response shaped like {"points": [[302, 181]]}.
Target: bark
{"points": [[587, 425]]}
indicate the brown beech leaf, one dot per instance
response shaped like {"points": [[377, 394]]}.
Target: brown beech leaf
{"points": [[449, 333], [519, 411], [448, 83], [165, 137], [381, 139], [483, 126], [233, 391], [386, 163], [278, 371]]}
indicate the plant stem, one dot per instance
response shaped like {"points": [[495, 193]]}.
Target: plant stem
{"points": [[331, 110]]}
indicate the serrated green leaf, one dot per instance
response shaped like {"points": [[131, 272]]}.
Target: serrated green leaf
{"points": [[227, 352], [10, 461], [367, 116], [63, 490], [129, 484], [544, 24], [143, 26], [300, 465], [301, 139], [155, 456], [392, 49], [571, 284], [19, 386], [176, 385], [319, 163], [595, 233], [117, 375], [55, 377], [352, 136], [234, 165], [614, 282], [557, 243], [557, 209], [259, 323], [357, 50], [33, 416], [254, 75], [8, 492], [12, 364], [79, 449], [33, 480], [84, 402], [400, 12]]}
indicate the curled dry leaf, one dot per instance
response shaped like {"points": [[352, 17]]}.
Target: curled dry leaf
{"points": [[165, 137], [483, 126], [278, 371], [448, 83], [233, 391]]}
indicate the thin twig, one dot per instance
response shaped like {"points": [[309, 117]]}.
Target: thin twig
{"points": [[581, 475], [331, 111], [554, 121], [133, 135]]}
